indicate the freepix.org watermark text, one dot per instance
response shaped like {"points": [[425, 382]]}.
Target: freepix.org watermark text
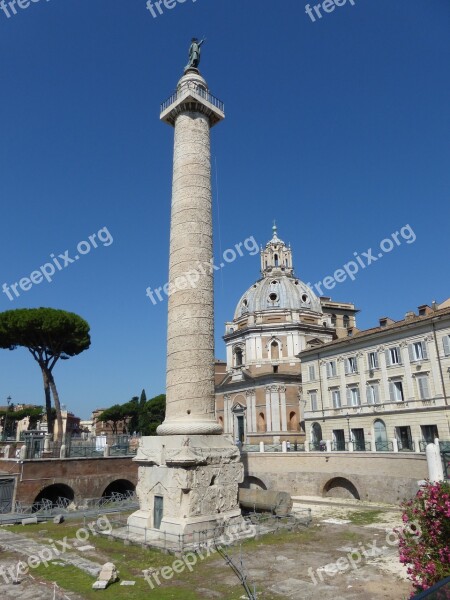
{"points": [[10, 8], [192, 276], [58, 263], [364, 260]]}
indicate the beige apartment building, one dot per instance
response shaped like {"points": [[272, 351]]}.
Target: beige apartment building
{"points": [[258, 390], [383, 389]]}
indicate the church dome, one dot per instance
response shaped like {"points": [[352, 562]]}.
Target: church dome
{"points": [[278, 291], [278, 288]]}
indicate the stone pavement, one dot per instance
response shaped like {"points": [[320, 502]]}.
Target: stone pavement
{"points": [[26, 547]]}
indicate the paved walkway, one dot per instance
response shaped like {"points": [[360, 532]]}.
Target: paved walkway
{"points": [[25, 546]]}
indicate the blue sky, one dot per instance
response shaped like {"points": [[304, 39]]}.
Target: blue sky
{"points": [[338, 129]]}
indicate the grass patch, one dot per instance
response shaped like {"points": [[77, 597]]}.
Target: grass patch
{"points": [[365, 517]]}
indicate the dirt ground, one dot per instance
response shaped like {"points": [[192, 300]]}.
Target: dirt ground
{"points": [[347, 553]]}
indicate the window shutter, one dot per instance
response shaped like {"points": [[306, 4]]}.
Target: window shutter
{"points": [[411, 352], [349, 397], [347, 366], [338, 398], [369, 366], [356, 364], [369, 394], [376, 393], [424, 350], [446, 342], [328, 369], [423, 387], [388, 357], [399, 350], [392, 391], [358, 396]]}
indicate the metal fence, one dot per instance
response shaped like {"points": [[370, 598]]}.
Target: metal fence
{"points": [[384, 446], [79, 448], [47, 509], [360, 446], [252, 526]]}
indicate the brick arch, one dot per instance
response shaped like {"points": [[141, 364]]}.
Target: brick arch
{"points": [[340, 487], [55, 493], [251, 482], [120, 486]]}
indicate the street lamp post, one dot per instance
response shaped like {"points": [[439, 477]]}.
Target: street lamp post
{"points": [[348, 427]]}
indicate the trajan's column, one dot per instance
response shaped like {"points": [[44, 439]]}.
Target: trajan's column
{"points": [[189, 473]]}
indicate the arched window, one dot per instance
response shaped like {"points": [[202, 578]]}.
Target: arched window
{"points": [[293, 421], [275, 258], [333, 320], [274, 350], [261, 424], [316, 435], [346, 321], [238, 358], [380, 435]]}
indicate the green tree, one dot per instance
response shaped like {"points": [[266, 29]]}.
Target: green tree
{"points": [[130, 411], [49, 335], [142, 404], [112, 415], [153, 415]]}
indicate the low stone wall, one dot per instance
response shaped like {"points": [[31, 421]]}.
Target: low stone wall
{"points": [[86, 477], [375, 477]]}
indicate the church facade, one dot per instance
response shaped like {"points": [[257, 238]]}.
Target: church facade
{"points": [[258, 389]]}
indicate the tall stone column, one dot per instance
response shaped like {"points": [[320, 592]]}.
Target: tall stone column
{"points": [[189, 473], [190, 339]]}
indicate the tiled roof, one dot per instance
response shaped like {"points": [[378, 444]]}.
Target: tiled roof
{"points": [[397, 325]]}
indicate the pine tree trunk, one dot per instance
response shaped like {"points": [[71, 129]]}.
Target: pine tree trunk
{"points": [[48, 400], [57, 406]]}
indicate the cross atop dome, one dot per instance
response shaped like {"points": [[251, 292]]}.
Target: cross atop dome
{"points": [[276, 257]]}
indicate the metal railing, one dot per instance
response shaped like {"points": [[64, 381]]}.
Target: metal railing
{"points": [[196, 88], [406, 447], [46, 509], [384, 446], [339, 446], [317, 446], [360, 446]]}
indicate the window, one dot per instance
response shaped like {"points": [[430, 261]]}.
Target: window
{"points": [[351, 365], [429, 433], [417, 351], [339, 440], [275, 368], [380, 434], [336, 397], [274, 350], [331, 368], [422, 387], [312, 372], [313, 398], [353, 396], [275, 258], [446, 344], [238, 357], [372, 359], [393, 356], [346, 321], [373, 393], [396, 391], [333, 320]]}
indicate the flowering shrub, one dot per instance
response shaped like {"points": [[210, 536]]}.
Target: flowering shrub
{"points": [[425, 541]]}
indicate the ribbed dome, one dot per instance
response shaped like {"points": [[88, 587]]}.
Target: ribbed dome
{"points": [[279, 291]]}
